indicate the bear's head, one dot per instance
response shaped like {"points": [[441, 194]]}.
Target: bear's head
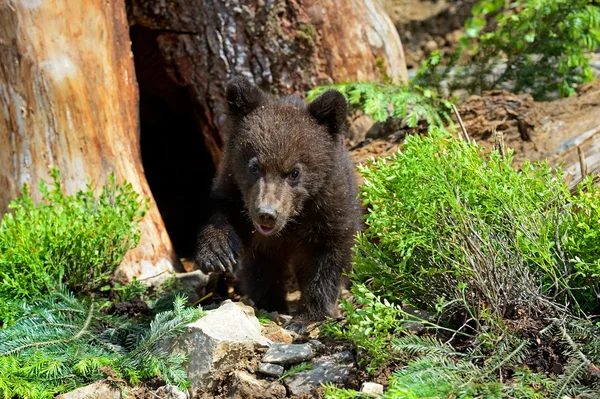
{"points": [[283, 152]]}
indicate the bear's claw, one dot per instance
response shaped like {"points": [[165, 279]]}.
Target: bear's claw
{"points": [[216, 252]]}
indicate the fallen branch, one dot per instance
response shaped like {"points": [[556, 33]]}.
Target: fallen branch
{"points": [[462, 126]]}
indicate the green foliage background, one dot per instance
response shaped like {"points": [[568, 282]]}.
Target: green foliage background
{"points": [[74, 240], [57, 261]]}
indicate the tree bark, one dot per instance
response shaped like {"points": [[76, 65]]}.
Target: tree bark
{"points": [[69, 99], [284, 46]]}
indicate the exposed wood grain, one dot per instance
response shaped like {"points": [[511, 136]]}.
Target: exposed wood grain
{"points": [[284, 46], [69, 99]]}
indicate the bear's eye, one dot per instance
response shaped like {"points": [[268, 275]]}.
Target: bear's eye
{"points": [[253, 167], [294, 174]]}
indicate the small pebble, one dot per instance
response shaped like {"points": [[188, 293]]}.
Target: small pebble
{"points": [[317, 345], [274, 370], [372, 387]]}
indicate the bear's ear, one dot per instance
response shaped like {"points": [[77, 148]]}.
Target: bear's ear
{"points": [[329, 110], [242, 96]]}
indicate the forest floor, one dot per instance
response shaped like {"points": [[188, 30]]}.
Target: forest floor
{"points": [[534, 130]]}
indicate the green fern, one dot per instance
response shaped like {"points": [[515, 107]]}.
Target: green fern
{"points": [[63, 342], [381, 101]]}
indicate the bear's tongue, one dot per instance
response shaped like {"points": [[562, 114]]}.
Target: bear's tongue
{"points": [[265, 229]]}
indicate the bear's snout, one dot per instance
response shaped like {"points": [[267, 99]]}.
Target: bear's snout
{"points": [[267, 216]]}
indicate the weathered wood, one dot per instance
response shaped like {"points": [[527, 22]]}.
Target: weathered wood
{"points": [[283, 46], [69, 99]]}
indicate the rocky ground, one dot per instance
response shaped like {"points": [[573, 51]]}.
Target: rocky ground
{"points": [[233, 355]]}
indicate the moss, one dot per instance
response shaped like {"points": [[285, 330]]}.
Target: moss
{"points": [[306, 32]]}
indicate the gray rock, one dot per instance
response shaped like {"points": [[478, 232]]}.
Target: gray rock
{"points": [[285, 354], [216, 343], [419, 314], [335, 369], [243, 386], [317, 345], [372, 388], [358, 128], [170, 392], [414, 327], [271, 369], [97, 390], [197, 283]]}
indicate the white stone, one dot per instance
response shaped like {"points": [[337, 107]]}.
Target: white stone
{"points": [[372, 388], [274, 370], [96, 390], [170, 392], [216, 343]]}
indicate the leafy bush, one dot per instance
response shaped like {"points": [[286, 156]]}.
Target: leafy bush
{"points": [[538, 46], [61, 342], [385, 100], [494, 252], [370, 323], [444, 221], [76, 240]]}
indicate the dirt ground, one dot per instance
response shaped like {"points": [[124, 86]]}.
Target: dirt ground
{"points": [[534, 130], [428, 25]]}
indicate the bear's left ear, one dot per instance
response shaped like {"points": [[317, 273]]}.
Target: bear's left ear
{"points": [[329, 110], [243, 97]]}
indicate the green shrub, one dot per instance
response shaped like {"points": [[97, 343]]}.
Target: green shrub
{"points": [[61, 342], [537, 46], [483, 246], [445, 220], [370, 323], [76, 240]]}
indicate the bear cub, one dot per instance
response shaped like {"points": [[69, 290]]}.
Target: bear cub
{"points": [[285, 195]]}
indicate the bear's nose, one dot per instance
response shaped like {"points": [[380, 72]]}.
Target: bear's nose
{"points": [[266, 216]]}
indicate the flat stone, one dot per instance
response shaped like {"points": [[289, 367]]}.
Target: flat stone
{"points": [[372, 388], [96, 390], [271, 369], [216, 343], [335, 369], [285, 354], [243, 385]]}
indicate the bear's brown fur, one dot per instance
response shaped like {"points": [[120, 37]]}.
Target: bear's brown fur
{"points": [[285, 194]]}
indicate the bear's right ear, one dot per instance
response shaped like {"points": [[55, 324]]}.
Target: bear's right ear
{"points": [[242, 96], [329, 110]]}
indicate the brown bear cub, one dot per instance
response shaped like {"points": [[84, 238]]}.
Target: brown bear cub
{"points": [[284, 195]]}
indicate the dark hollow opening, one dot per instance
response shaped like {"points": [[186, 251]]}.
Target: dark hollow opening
{"points": [[177, 164]]}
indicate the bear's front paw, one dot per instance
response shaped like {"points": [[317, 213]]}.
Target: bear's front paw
{"points": [[298, 324], [216, 251]]}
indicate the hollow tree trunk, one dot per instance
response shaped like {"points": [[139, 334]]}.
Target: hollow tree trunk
{"points": [[284, 46], [69, 99]]}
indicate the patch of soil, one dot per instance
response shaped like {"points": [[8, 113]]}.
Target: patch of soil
{"points": [[428, 25], [134, 308], [514, 115], [534, 130]]}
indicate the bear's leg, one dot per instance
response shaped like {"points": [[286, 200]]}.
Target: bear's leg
{"points": [[320, 278], [263, 279]]}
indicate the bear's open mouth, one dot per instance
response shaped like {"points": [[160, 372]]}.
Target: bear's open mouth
{"points": [[266, 230]]}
